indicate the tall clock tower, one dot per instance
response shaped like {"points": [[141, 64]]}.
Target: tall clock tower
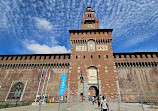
{"points": [[92, 68], [89, 21]]}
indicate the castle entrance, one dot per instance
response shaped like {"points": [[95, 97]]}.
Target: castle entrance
{"points": [[93, 92]]}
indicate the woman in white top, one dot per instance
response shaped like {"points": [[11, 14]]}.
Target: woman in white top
{"points": [[104, 104]]}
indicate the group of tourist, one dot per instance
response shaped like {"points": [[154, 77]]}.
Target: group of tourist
{"points": [[102, 102]]}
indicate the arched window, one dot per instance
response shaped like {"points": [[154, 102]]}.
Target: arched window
{"points": [[98, 56], [84, 56], [91, 56], [17, 88], [89, 15]]}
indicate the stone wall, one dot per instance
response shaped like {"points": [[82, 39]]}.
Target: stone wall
{"points": [[135, 80], [137, 74], [31, 78], [28, 69]]}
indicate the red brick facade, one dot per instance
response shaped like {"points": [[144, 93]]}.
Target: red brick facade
{"points": [[92, 68], [91, 48]]}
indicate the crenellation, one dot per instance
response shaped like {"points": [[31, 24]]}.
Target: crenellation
{"points": [[154, 56], [1, 58], [136, 64], [32, 66]]}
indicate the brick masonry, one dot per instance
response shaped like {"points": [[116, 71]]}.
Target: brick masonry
{"points": [[124, 73]]}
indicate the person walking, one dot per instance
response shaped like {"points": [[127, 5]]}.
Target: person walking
{"points": [[98, 102], [93, 100], [104, 104]]}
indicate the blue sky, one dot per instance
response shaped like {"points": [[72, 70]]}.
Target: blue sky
{"points": [[42, 26]]}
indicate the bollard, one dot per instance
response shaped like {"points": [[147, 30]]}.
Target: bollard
{"points": [[50, 101], [40, 102], [141, 101], [40, 105], [119, 102]]}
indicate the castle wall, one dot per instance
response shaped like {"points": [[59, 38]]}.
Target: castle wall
{"points": [[136, 80], [31, 78], [137, 74], [15, 69]]}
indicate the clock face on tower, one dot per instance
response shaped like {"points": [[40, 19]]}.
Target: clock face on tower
{"points": [[90, 26]]}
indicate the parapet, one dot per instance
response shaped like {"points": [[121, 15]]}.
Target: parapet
{"points": [[136, 59]]}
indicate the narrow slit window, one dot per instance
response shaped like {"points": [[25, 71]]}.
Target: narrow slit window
{"points": [[16, 58], [141, 56]]}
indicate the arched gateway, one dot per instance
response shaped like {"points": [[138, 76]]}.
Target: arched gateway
{"points": [[93, 91]]}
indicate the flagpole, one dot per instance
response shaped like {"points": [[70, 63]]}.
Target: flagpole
{"points": [[39, 84], [44, 84], [47, 84]]}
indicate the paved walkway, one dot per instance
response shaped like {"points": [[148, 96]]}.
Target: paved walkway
{"points": [[85, 106]]}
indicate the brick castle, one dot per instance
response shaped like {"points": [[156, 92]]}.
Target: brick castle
{"points": [[92, 68]]}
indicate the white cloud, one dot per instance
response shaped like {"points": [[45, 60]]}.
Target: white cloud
{"points": [[42, 23], [133, 21], [44, 49]]}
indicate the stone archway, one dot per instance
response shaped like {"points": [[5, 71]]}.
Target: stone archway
{"points": [[93, 91]]}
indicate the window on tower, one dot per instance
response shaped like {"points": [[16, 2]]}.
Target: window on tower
{"points": [[89, 15]]}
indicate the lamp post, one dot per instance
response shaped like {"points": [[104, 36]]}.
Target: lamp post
{"points": [[82, 81], [98, 83]]}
